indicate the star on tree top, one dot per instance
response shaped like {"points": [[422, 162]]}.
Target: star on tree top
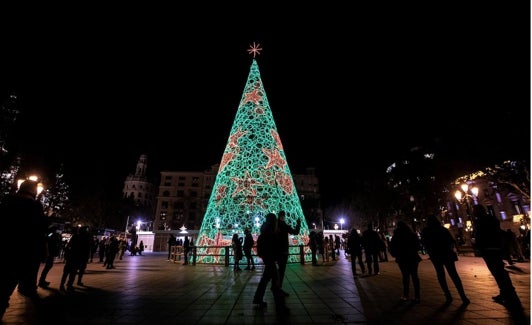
{"points": [[254, 49]]}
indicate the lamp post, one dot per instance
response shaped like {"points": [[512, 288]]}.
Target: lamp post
{"points": [[464, 196], [342, 223]]}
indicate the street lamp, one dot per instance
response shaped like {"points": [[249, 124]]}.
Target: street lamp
{"points": [[40, 186], [463, 196], [342, 223]]}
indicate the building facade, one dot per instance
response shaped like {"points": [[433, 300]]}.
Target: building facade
{"points": [[183, 197], [140, 191]]}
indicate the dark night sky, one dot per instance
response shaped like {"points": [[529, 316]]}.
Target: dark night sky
{"points": [[349, 88]]}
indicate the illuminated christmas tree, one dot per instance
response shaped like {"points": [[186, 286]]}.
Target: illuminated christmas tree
{"points": [[253, 178]]}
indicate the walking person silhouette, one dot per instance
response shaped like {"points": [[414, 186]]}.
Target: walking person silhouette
{"points": [[440, 245], [284, 245], [237, 251], [490, 242], [249, 242], [22, 211], [54, 244], [372, 243], [267, 249], [186, 249], [404, 246], [172, 241], [354, 244]]}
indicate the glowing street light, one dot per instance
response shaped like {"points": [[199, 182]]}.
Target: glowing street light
{"points": [[35, 178], [342, 223], [463, 196]]}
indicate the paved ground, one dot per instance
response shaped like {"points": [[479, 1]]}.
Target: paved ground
{"points": [[150, 290]]}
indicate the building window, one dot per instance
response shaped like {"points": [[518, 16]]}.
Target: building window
{"points": [[503, 215]]}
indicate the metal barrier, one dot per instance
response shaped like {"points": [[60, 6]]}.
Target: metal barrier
{"points": [[223, 255], [176, 252]]}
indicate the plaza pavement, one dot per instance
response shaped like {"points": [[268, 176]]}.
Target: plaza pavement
{"points": [[149, 289]]}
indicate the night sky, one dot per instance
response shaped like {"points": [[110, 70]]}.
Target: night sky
{"points": [[350, 88]]}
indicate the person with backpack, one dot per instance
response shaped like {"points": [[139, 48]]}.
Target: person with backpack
{"points": [[267, 247]]}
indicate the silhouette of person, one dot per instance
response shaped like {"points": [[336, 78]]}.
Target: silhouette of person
{"points": [[383, 256], [94, 248], [22, 212], [331, 247], [186, 249], [404, 246], [236, 242], [354, 244], [320, 241], [54, 243], [313, 245], [102, 247], [85, 242], [440, 245], [75, 251], [282, 257], [372, 243], [249, 242], [171, 243], [111, 252], [337, 244], [141, 247], [270, 235], [490, 242], [512, 247]]}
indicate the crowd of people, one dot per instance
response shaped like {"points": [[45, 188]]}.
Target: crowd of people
{"points": [[365, 249], [44, 244]]}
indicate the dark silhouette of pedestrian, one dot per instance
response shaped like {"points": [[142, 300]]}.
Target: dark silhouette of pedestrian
{"points": [[372, 243], [94, 248], [270, 235], [22, 215], [171, 243], [354, 244], [77, 253], [186, 249], [141, 247], [102, 247], [383, 256], [440, 245], [404, 246], [85, 251], [337, 244], [249, 242], [238, 254], [54, 243], [320, 241], [313, 245], [111, 252], [512, 247], [490, 242], [331, 247], [284, 230]]}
